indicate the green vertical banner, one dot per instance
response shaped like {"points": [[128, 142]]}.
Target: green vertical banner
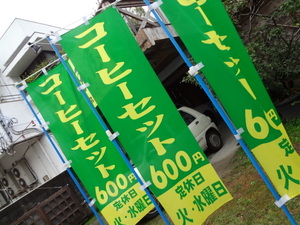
{"points": [[136, 105], [210, 37], [93, 157]]}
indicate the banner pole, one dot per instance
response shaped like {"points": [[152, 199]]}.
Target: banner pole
{"points": [[62, 159], [108, 132], [223, 115]]}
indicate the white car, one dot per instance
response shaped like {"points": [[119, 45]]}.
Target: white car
{"points": [[204, 130]]}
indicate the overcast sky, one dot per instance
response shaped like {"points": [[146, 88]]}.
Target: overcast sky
{"points": [[59, 13]]}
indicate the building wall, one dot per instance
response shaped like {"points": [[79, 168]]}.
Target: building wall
{"points": [[19, 31], [26, 155]]}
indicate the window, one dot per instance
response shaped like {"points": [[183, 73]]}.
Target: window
{"points": [[188, 118]]}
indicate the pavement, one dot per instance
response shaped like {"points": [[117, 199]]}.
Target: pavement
{"points": [[221, 159], [288, 109]]}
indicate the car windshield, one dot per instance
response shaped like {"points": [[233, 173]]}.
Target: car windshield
{"points": [[188, 118]]}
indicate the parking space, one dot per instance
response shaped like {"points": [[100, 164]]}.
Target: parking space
{"points": [[221, 159]]}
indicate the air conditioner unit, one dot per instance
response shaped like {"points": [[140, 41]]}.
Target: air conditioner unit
{"points": [[23, 174], [10, 184], [4, 199]]}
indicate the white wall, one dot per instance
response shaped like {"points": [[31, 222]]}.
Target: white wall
{"points": [[20, 30], [39, 154], [20, 113], [33, 146]]}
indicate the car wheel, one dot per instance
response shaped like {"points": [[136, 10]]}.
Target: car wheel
{"points": [[153, 213], [214, 140]]}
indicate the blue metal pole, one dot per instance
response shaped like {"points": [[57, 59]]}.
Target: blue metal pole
{"points": [[224, 116], [62, 160], [100, 120]]}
